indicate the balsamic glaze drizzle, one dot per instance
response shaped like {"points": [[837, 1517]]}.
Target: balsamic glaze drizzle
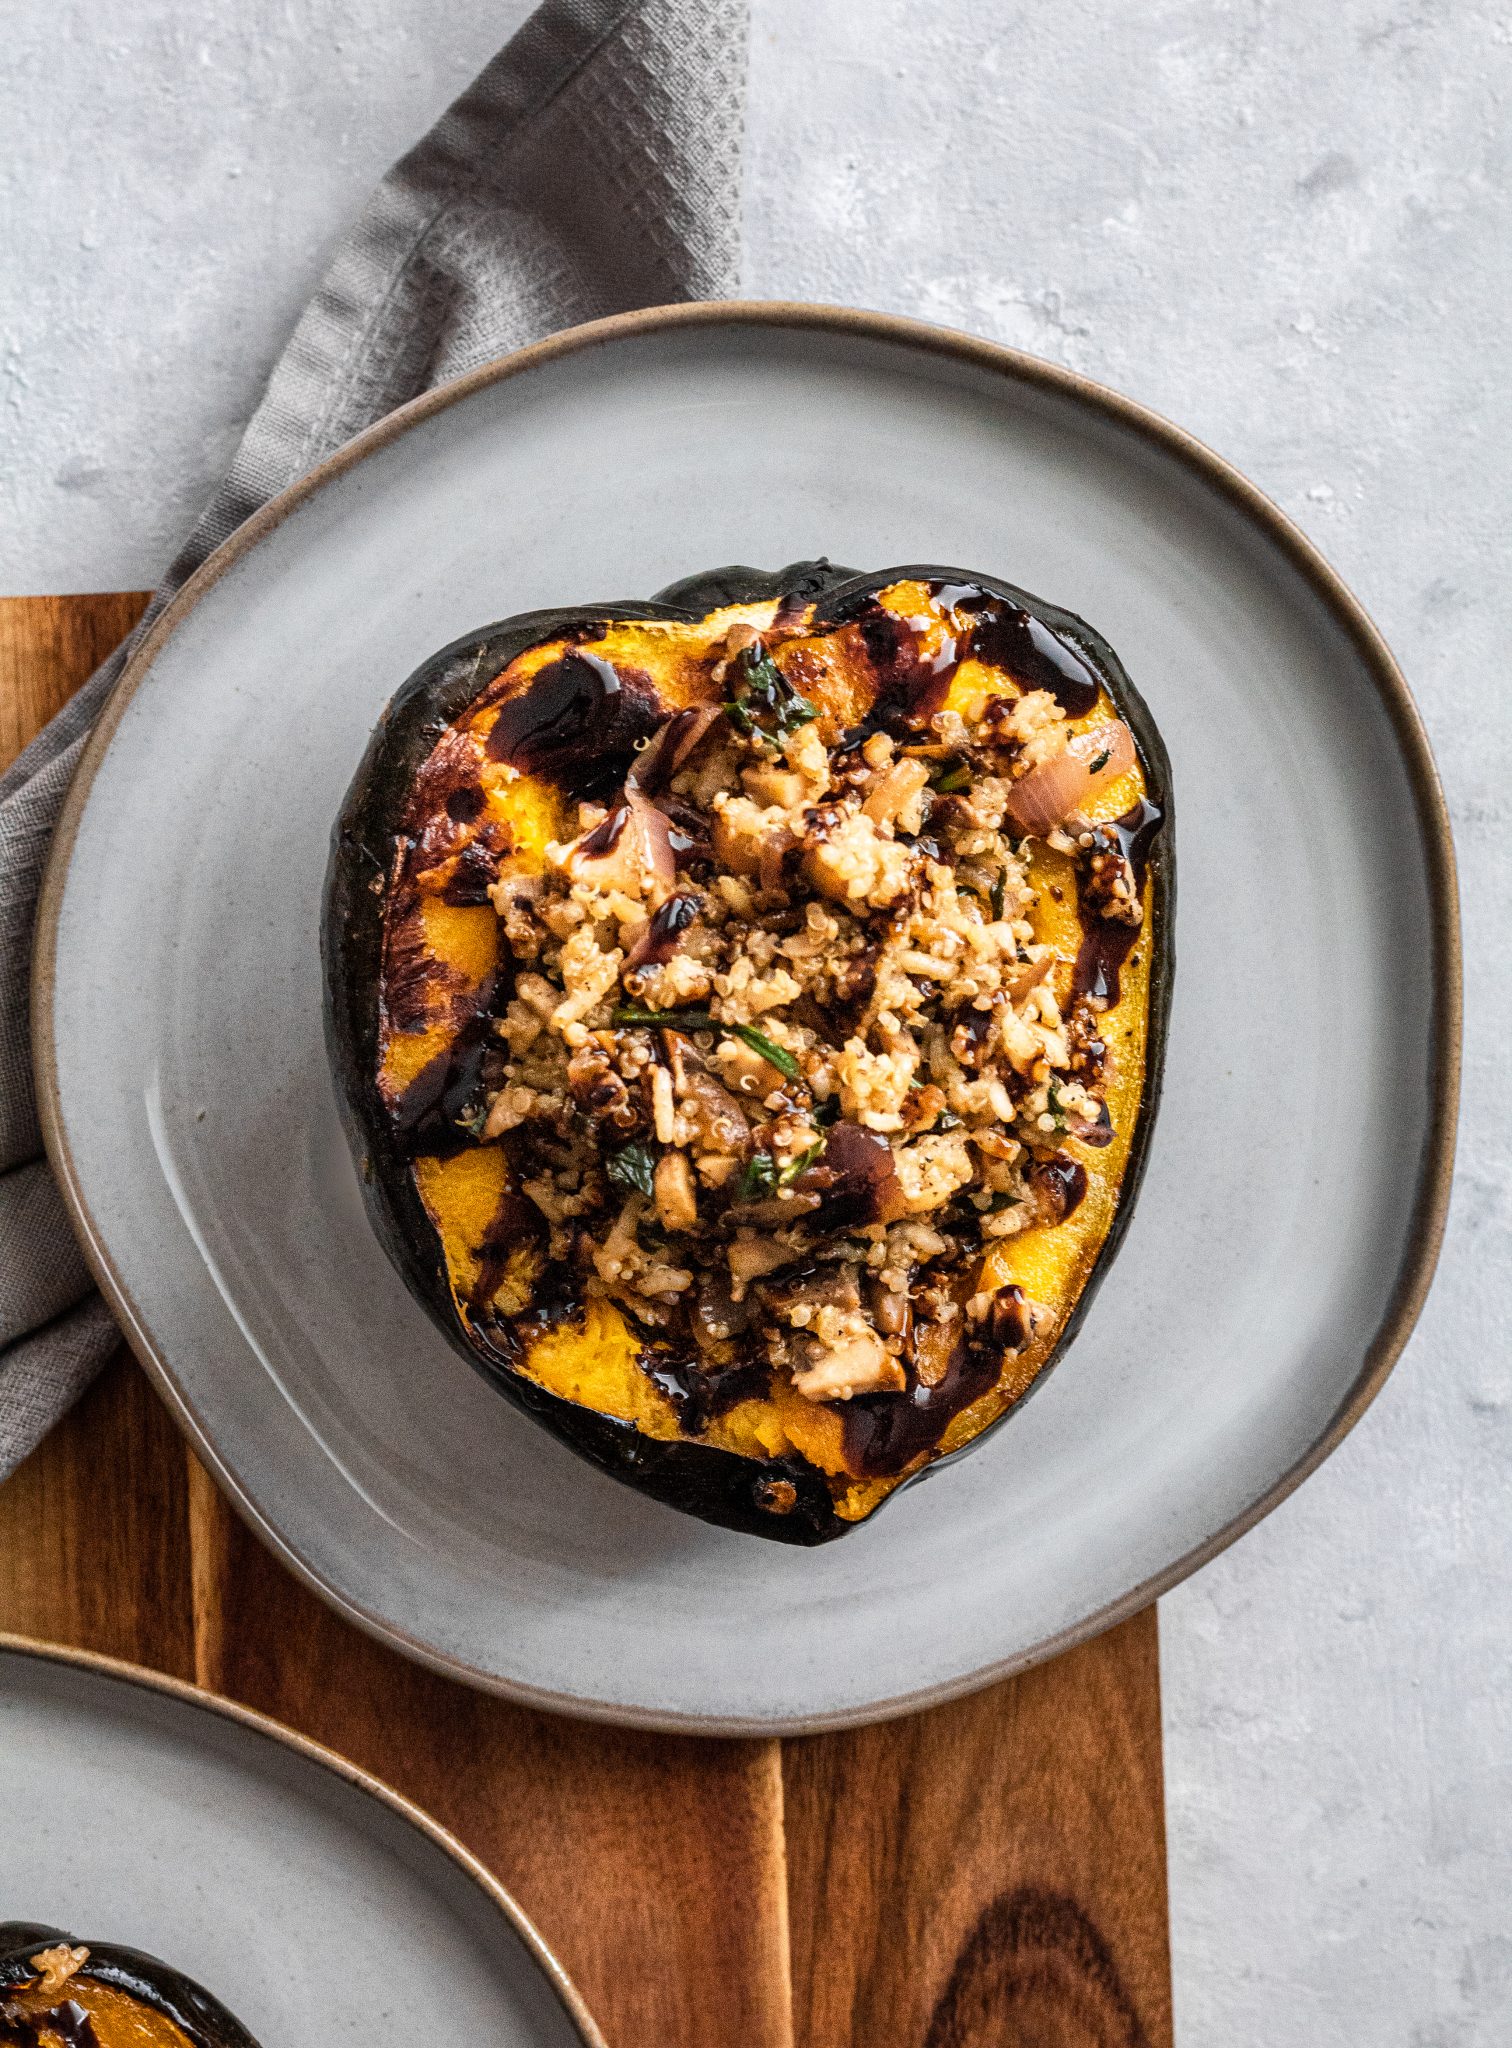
{"points": [[1106, 944], [885, 1432], [69, 2023], [577, 723]]}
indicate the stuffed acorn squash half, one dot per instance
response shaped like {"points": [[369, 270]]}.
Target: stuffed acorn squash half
{"points": [[748, 1010], [56, 1993]]}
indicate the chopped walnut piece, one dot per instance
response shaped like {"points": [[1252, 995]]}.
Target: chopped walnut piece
{"points": [[774, 787], [57, 1966], [895, 799]]}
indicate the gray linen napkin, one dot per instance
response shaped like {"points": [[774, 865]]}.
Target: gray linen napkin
{"points": [[594, 166]]}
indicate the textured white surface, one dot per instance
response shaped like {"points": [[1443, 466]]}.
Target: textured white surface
{"points": [[1284, 225]]}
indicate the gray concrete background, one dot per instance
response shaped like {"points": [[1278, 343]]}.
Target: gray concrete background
{"points": [[1286, 226]]}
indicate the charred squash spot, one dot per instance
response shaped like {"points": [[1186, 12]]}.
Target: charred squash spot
{"points": [[437, 957], [418, 983], [464, 939]]}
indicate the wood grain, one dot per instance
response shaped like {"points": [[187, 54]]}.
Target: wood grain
{"points": [[987, 1875], [94, 1531], [653, 1865], [93, 1528], [1026, 1825], [48, 647]]}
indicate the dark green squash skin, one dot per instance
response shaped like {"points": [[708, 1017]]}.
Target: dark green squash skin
{"points": [[715, 1485], [142, 1977]]}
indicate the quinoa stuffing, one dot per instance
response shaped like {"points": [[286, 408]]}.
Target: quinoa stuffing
{"points": [[787, 1040]]}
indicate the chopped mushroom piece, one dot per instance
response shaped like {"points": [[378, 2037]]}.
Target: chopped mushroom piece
{"points": [[860, 1364], [750, 1257], [676, 1196]]}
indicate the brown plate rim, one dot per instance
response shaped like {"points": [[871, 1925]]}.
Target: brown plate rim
{"points": [[1430, 1207], [139, 1675]]}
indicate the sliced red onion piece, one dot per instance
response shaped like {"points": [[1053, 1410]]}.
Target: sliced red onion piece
{"points": [[1047, 795], [663, 931], [630, 850], [670, 745], [656, 842]]}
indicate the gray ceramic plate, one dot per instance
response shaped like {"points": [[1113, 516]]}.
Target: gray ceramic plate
{"points": [[1289, 1221], [139, 1811]]}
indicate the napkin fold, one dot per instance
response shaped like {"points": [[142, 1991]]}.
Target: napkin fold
{"points": [[594, 166]]}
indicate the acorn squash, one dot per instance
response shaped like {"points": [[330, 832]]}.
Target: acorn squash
{"points": [[58, 1993], [747, 1009]]}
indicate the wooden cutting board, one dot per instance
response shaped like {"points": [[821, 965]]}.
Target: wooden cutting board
{"points": [[990, 1874]]}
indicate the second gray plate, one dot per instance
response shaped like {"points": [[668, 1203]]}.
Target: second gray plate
{"points": [[1289, 1221], [308, 1898]]}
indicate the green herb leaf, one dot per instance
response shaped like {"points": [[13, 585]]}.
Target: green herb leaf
{"points": [[1052, 1097], [473, 1124], [954, 778], [947, 1120], [775, 1055], [764, 704], [757, 1177], [801, 1164], [670, 1020], [700, 1020], [999, 890], [632, 1168]]}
